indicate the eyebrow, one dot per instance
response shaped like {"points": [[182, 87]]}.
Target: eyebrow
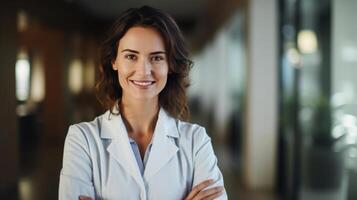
{"points": [[130, 50], [157, 52], [137, 52]]}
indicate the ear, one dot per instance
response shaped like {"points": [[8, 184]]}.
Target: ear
{"points": [[115, 68]]}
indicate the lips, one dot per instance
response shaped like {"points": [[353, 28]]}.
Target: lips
{"points": [[144, 83]]}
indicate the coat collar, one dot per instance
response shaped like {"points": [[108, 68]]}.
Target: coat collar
{"points": [[113, 126], [163, 144]]}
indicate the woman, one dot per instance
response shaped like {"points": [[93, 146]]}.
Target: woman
{"points": [[141, 148]]}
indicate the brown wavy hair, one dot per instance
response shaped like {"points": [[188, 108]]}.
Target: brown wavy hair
{"points": [[173, 97]]}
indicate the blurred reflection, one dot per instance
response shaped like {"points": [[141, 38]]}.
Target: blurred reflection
{"points": [[25, 188], [75, 75], [307, 41], [37, 79], [293, 57], [89, 74], [22, 76], [22, 21]]}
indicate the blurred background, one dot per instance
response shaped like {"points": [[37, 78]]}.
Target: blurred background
{"points": [[274, 82]]}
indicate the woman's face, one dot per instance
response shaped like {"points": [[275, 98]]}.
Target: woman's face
{"points": [[141, 64]]}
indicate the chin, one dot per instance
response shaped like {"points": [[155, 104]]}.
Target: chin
{"points": [[145, 97]]}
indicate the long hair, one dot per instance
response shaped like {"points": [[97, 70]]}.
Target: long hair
{"points": [[173, 98]]}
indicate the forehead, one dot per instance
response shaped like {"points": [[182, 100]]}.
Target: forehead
{"points": [[142, 39]]}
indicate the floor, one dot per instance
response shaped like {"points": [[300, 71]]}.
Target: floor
{"points": [[40, 172]]}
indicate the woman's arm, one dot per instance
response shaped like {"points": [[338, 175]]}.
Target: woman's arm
{"points": [[205, 164], [199, 192], [76, 173]]}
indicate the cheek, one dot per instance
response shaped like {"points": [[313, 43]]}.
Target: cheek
{"points": [[123, 70], [163, 71], [122, 77]]}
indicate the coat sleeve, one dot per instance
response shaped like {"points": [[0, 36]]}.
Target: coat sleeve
{"points": [[205, 162], [76, 174]]}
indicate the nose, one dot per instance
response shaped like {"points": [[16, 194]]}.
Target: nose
{"points": [[144, 67]]}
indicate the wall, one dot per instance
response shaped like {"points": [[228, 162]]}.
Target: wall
{"points": [[8, 124]]}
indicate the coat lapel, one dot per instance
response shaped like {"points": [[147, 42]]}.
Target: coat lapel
{"points": [[119, 149], [163, 144]]}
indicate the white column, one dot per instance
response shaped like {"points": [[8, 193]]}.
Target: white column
{"points": [[260, 138]]}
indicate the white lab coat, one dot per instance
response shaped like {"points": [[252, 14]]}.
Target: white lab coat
{"points": [[98, 161]]}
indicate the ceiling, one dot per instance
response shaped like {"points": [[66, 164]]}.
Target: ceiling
{"points": [[179, 9], [198, 19]]}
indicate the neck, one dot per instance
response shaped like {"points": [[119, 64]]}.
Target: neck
{"points": [[139, 117]]}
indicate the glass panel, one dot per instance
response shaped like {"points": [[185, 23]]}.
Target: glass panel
{"points": [[318, 101], [344, 86]]}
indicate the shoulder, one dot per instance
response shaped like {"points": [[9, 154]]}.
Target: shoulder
{"points": [[192, 133], [85, 133]]}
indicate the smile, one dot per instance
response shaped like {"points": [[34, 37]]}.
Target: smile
{"points": [[143, 83]]}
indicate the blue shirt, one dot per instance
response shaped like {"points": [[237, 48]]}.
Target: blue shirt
{"points": [[135, 148]]}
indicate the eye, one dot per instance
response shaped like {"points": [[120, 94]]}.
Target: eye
{"points": [[157, 58], [130, 56]]}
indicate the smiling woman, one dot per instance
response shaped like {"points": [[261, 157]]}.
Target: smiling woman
{"points": [[141, 64], [141, 148], [167, 34]]}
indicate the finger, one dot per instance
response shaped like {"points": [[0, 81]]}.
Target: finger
{"points": [[214, 196], [84, 198], [206, 193], [195, 190]]}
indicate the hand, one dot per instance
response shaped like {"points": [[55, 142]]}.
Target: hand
{"points": [[198, 192], [84, 198]]}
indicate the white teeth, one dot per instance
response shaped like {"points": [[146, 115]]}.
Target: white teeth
{"points": [[143, 83]]}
